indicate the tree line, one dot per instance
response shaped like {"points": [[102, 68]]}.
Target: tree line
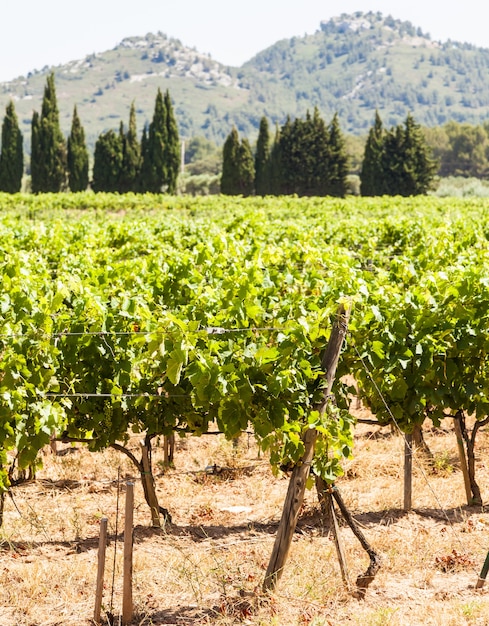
{"points": [[309, 158], [121, 162]]}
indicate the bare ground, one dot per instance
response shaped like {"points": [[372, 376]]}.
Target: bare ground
{"points": [[207, 567]]}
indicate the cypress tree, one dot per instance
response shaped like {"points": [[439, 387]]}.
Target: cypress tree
{"points": [[172, 146], [418, 167], [35, 150], [131, 156], [319, 164], [392, 156], [238, 168], [246, 169], [337, 160], [230, 159], [372, 174], [290, 157], [262, 160], [107, 164], [77, 157], [49, 173], [12, 155], [276, 165], [154, 171]]}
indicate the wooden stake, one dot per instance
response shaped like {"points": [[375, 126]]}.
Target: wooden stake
{"points": [[300, 473], [127, 605], [483, 575], [463, 459], [149, 487], [408, 471], [99, 590], [337, 540]]}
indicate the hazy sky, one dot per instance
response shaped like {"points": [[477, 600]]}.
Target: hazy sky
{"points": [[35, 33]]}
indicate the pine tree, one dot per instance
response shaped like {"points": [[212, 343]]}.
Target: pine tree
{"points": [[131, 156], [154, 175], [372, 174], [77, 157], [337, 160], [172, 147], [262, 160], [12, 155], [49, 173], [107, 164]]}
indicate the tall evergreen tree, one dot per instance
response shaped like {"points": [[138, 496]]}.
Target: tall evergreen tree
{"points": [[49, 173], [291, 157], [418, 167], [77, 157], [337, 160], [230, 160], [238, 169], [107, 164], [319, 162], [131, 156], [35, 150], [372, 174], [275, 167], [172, 147], [154, 175], [246, 169], [392, 156], [12, 155], [262, 160]]}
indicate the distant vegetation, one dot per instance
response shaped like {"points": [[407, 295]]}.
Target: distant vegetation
{"points": [[306, 157], [353, 65]]}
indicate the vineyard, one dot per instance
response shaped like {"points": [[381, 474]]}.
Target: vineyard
{"points": [[126, 317]]}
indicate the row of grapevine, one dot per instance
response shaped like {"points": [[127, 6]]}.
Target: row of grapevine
{"points": [[124, 314]]}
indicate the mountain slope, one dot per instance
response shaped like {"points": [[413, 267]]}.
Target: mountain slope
{"points": [[353, 64]]}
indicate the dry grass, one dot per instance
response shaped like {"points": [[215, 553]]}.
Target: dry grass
{"points": [[206, 567]]}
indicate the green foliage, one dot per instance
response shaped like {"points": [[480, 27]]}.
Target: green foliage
{"points": [[262, 160], [154, 169], [436, 82], [117, 316], [12, 154], [172, 148], [77, 156], [48, 145], [397, 162], [108, 161], [337, 161], [372, 175], [131, 156], [238, 171], [307, 159]]}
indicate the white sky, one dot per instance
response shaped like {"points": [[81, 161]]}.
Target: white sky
{"points": [[35, 33]]}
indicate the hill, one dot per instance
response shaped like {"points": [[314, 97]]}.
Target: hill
{"points": [[352, 65]]}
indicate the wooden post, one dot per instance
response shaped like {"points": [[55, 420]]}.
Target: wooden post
{"points": [[483, 575], [300, 473], [149, 487], [462, 458], [339, 546], [408, 471], [99, 589], [128, 544]]}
